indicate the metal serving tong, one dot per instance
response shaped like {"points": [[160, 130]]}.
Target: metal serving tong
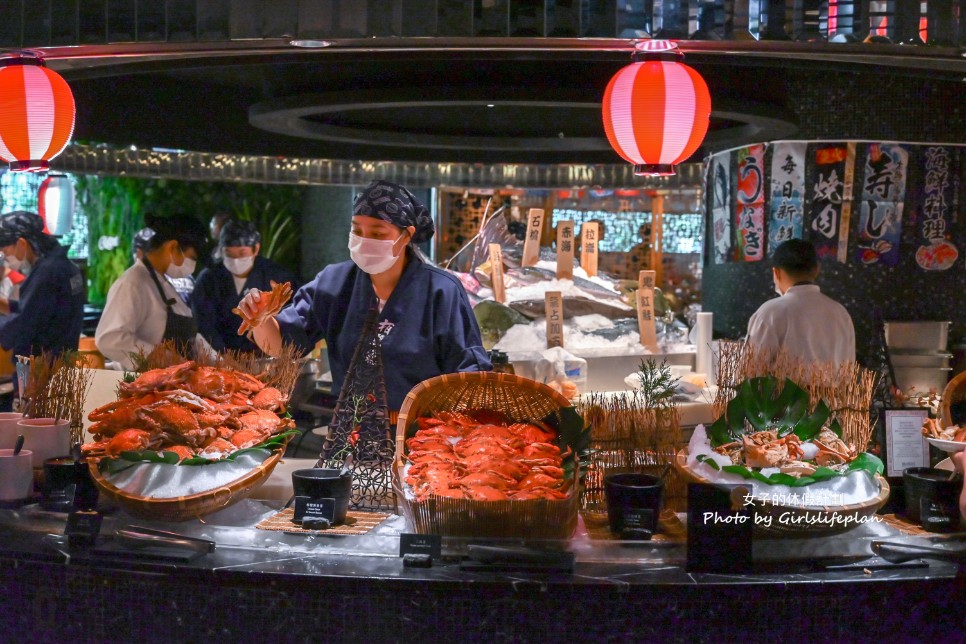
{"points": [[142, 537], [902, 552]]}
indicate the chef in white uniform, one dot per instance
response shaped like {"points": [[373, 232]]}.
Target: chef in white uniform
{"points": [[805, 323], [143, 308]]}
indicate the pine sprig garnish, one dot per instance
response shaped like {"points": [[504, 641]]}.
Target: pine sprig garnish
{"points": [[657, 384]]}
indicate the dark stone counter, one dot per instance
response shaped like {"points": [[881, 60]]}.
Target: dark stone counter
{"points": [[258, 585]]}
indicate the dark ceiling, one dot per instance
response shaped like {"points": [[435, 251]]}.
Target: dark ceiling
{"points": [[514, 101]]}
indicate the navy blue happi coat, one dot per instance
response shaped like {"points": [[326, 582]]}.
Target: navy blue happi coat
{"points": [[427, 326]]}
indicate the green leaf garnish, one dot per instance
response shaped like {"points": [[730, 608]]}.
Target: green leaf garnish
{"points": [[128, 459]]}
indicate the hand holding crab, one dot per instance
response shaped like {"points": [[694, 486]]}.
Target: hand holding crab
{"points": [[258, 306]]}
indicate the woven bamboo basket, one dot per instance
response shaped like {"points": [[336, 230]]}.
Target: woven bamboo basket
{"points": [[521, 399], [955, 392], [185, 508], [789, 521]]}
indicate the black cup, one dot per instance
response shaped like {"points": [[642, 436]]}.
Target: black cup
{"points": [[68, 485], [323, 483], [932, 498], [633, 503]]}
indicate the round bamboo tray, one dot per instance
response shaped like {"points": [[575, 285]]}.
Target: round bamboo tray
{"points": [[789, 521], [185, 508], [521, 399], [954, 392]]}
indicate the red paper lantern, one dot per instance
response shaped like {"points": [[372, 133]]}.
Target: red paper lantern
{"points": [[656, 110], [36, 114], [55, 204]]}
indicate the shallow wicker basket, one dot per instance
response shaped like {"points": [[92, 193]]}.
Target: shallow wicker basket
{"points": [[185, 508], [521, 399], [955, 392], [789, 521]]}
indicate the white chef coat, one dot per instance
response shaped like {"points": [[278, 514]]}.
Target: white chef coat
{"points": [[134, 317], [806, 324]]}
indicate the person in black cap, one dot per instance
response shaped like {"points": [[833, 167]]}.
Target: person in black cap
{"points": [[143, 307], [219, 288], [426, 325], [803, 322], [50, 313]]}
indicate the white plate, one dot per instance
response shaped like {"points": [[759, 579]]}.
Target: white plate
{"points": [[946, 464], [947, 446]]}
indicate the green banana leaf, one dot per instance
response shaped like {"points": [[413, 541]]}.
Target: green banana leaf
{"points": [[760, 404], [131, 458], [864, 462], [573, 433]]}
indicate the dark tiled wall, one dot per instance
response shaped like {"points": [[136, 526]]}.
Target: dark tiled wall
{"points": [[864, 107]]}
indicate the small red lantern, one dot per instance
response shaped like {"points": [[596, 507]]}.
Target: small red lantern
{"points": [[55, 204], [656, 110], [36, 114]]}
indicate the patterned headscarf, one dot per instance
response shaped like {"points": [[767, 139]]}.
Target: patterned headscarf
{"points": [[396, 205], [28, 225], [239, 233]]}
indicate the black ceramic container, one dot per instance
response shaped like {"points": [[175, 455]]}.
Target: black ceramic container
{"points": [[633, 502], [932, 498], [323, 483]]}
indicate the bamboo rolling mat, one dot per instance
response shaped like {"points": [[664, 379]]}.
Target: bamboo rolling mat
{"points": [[356, 522], [669, 528], [904, 526]]}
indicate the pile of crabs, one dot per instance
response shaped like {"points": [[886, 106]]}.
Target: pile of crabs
{"points": [[483, 456], [789, 453], [189, 409]]}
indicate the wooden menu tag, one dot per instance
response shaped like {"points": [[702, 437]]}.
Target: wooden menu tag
{"points": [[645, 310], [565, 250], [588, 247], [531, 247], [553, 305], [496, 273]]}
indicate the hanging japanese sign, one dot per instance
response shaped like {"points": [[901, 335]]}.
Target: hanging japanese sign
{"points": [[936, 252], [880, 210], [750, 204], [832, 200], [786, 208], [719, 175]]}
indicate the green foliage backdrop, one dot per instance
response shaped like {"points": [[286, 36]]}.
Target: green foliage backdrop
{"points": [[116, 207]]}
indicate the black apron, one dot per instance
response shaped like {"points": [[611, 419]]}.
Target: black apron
{"points": [[180, 329]]}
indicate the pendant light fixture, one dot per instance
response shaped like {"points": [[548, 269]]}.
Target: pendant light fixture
{"points": [[656, 110], [36, 112], [55, 203]]}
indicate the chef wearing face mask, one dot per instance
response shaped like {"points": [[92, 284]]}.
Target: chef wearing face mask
{"points": [[220, 288], [426, 324], [143, 308], [49, 315], [805, 323]]}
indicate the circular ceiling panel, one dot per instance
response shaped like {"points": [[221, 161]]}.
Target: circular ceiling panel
{"points": [[471, 119]]}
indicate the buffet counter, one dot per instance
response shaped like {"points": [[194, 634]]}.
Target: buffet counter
{"points": [[291, 587]]}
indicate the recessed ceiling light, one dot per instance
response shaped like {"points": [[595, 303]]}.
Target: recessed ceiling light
{"points": [[311, 44], [489, 104]]}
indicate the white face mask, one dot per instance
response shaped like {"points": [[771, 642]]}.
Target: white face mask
{"points": [[22, 266], [239, 266], [374, 256], [178, 272]]}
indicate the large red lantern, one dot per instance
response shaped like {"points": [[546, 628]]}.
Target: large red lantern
{"points": [[656, 110], [36, 114]]}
